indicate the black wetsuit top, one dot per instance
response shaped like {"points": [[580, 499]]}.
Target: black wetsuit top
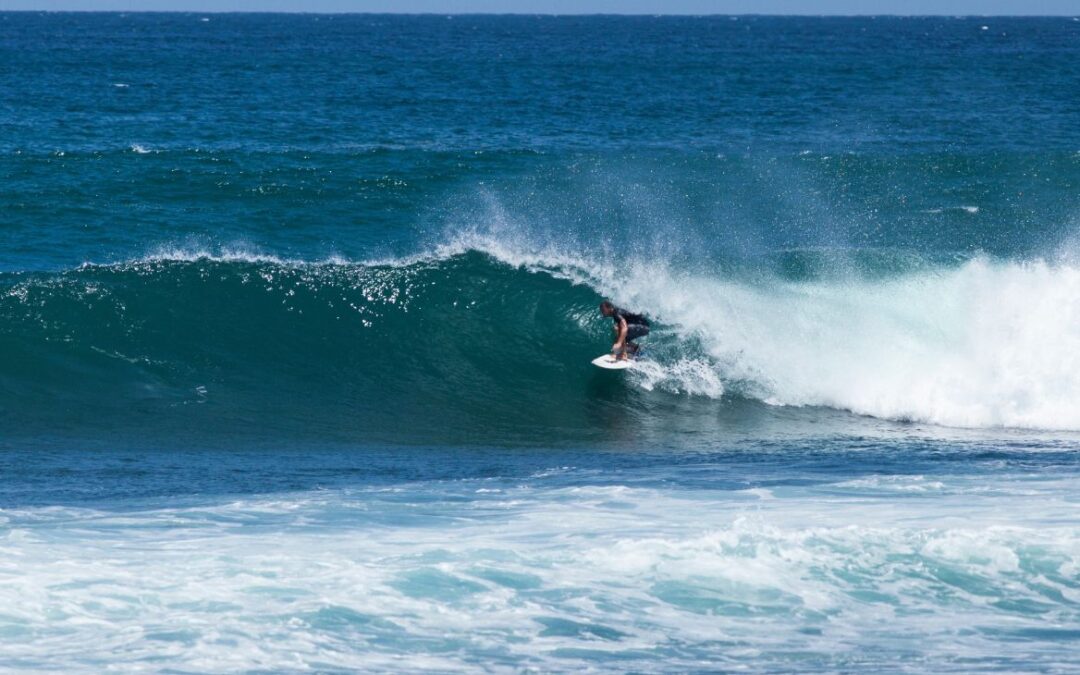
{"points": [[637, 326], [630, 318]]}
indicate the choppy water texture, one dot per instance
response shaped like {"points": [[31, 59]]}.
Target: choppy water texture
{"points": [[296, 315]]}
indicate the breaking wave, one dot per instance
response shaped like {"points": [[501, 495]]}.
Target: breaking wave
{"points": [[478, 337]]}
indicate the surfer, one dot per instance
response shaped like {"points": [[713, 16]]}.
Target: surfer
{"points": [[628, 327]]}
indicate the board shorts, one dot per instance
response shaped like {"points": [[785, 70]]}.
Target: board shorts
{"points": [[635, 331]]}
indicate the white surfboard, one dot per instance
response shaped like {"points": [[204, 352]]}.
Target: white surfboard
{"points": [[611, 363]]}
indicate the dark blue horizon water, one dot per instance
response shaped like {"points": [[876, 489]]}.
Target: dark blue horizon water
{"points": [[296, 315]]}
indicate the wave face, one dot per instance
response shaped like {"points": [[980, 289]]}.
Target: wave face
{"points": [[263, 345], [483, 341]]}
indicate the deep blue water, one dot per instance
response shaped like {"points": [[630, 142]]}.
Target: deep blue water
{"points": [[296, 314]]}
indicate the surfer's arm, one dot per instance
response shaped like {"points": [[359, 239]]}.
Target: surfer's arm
{"points": [[620, 341]]}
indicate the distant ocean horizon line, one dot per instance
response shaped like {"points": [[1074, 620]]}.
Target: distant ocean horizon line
{"points": [[689, 15]]}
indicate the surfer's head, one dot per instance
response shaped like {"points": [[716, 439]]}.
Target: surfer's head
{"points": [[606, 308]]}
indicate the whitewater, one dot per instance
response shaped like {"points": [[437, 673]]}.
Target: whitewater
{"points": [[553, 573]]}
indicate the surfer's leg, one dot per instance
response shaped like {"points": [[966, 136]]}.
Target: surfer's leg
{"points": [[633, 333]]}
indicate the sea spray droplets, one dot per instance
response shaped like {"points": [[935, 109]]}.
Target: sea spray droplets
{"points": [[698, 377]]}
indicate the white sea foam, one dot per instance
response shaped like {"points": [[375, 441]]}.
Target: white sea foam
{"points": [[981, 345], [691, 376], [941, 209], [236, 252], [559, 579]]}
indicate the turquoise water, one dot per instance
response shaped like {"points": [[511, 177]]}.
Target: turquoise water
{"points": [[296, 315]]}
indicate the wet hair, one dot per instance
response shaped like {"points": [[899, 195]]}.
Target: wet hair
{"points": [[606, 306]]}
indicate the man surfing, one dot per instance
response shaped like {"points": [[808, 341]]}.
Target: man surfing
{"points": [[628, 327]]}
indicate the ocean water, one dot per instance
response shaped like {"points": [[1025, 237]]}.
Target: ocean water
{"points": [[296, 315]]}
